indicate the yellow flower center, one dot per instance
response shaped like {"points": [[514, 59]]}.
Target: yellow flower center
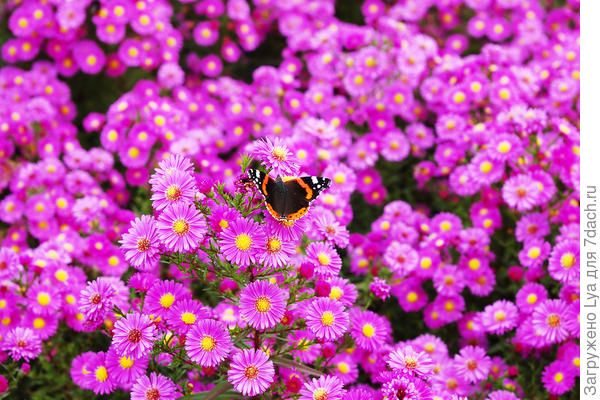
{"points": [[61, 275], [532, 298], [251, 372], [262, 304], [558, 377], [335, 293], [167, 300], [43, 298], [279, 154], [101, 374], [181, 227], [126, 362], [323, 259], [368, 330], [499, 316], [485, 167], [320, 394], [534, 252], [173, 193], [567, 260], [412, 297], [188, 318], [553, 320], [208, 343], [243, 242], [327, 318], [39, 323], [273, 245]]}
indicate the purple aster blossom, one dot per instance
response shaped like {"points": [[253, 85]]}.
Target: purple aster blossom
{"points": [[125, 370], [520, 192], [532, 226], [141, 244], [9, 263], [563, 264], [162, 296], [96, 300], [181, 227], [251, 372], [548, 320], [499, 317], [134, 335], [185, 314], [172, 188], [369, 330], [208, 343], [326, 319], [324, 258], [530, 296], [22, 343], [276, 155], [472, 363], [240, 241], [380, 288], [558, 378], [98, 379], [407, 361], [263, 304], [154, 387], [327, 387], [273, 251]]}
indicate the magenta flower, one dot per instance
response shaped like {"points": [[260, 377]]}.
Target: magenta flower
{"points": [[162, 296], [473, 364], [154, 387], [327, 387], [251, 372], [208, 343], [263, 304], [326, 319], [172, 188], [22, 343], [549, 319], [134, 335], [239, 242], [499, 317], [563, 264], [181, 227], [520, 192], [325, 259], [276, 155], [96, 299], [558, 378], [407, 361], [141, 244]]}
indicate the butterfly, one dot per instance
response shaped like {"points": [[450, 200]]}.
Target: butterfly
{"points": [[288, 200]]}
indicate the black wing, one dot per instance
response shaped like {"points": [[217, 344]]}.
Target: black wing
{"points": [[267, 186], [300, 192]]}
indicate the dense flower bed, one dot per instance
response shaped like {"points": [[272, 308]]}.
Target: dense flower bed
{"points": [[138, 258]]}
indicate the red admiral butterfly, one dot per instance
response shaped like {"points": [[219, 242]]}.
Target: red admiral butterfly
{"points": [[288, 200]]}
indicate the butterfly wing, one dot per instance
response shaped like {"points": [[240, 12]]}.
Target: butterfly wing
{"points": [[300, 192], [274, 198]]}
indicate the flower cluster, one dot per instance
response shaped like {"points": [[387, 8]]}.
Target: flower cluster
{"points": [[449, 131]]}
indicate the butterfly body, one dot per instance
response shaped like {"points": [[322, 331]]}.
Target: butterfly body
{"points": [[289, 199]]}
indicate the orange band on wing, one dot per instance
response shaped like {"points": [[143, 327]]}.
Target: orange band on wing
{"points": [[264, 184], [272, 212], [309, 192], [298, 214]]}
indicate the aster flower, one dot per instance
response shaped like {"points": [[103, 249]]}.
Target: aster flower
{"points": [[262, 304], [140, 244], [563, 264], [499, 317], [125, 370], [154, 387], [369, 330], [473, 364], [181, 227], [276, 155], [558, 378], [22, 343], [134, 335], [208, 343], [520, 192], [98, 378], [251, 372], [184, 314], [407, 361], [530, 296], [273, 251], [172, 188], [239, 243], [162, 296], [325, 259], [327, 387], [326, 319], [548, 320], [96, 299]]}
